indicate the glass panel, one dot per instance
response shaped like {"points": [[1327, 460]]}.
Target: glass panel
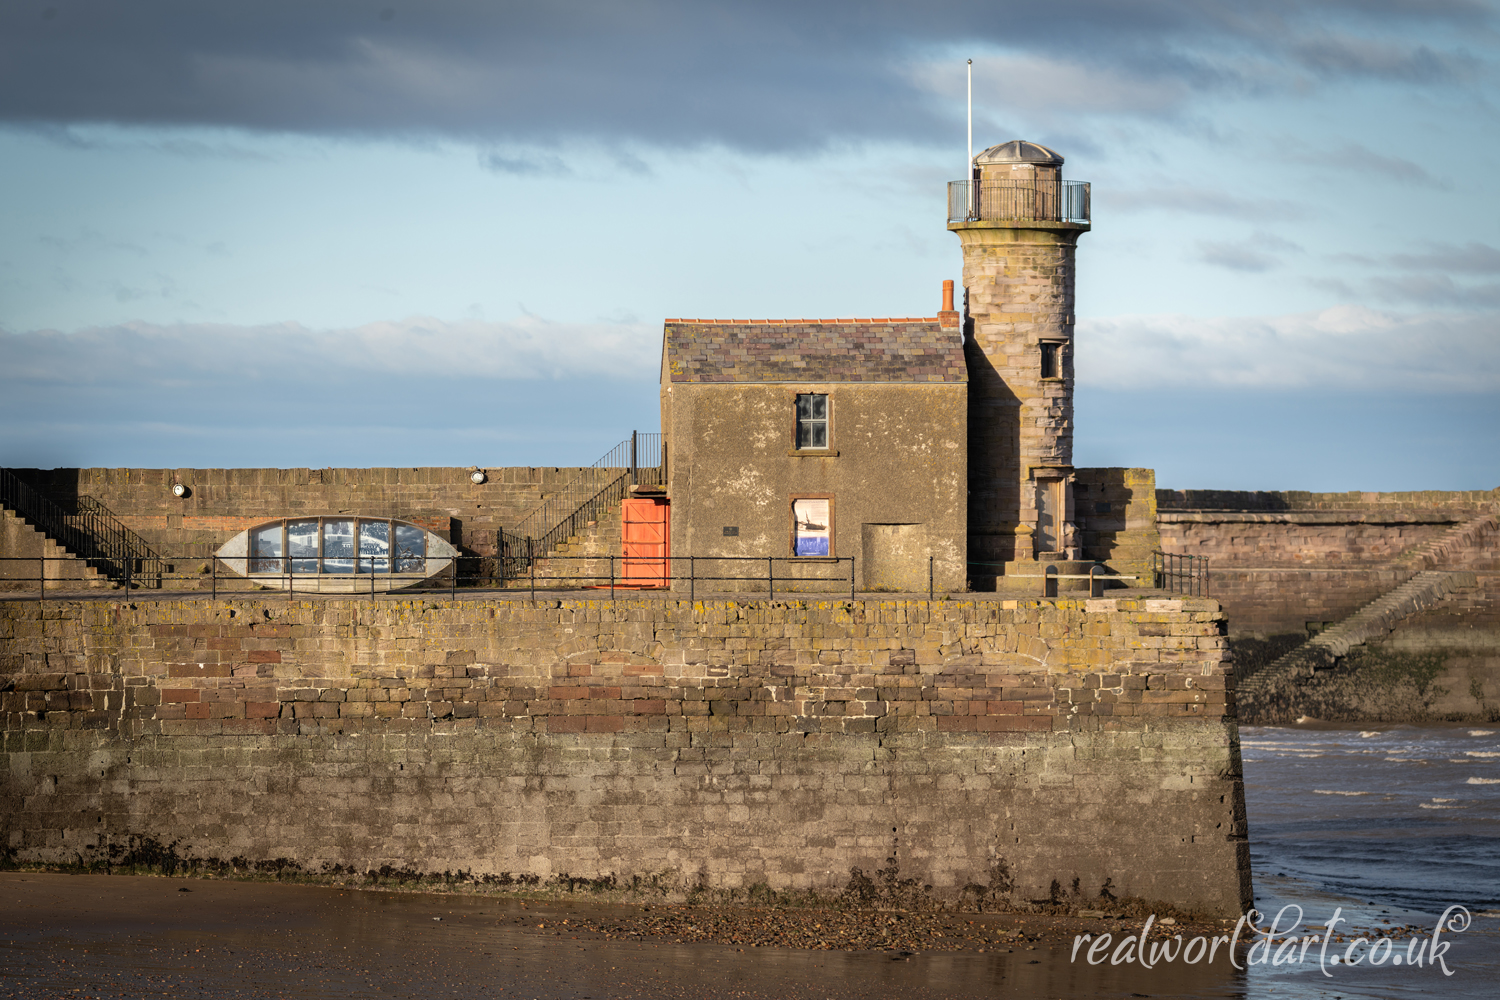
{"points": [[338, 546], [302, 545], [374, 546], [812, 420], [411, 549], [810, 535], [265, 549]]}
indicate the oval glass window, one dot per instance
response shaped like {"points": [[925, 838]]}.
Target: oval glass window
{"points": [[337, 555]]}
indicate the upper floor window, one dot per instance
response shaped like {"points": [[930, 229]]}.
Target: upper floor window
{"points": [[812, 420], [1052, 359]]}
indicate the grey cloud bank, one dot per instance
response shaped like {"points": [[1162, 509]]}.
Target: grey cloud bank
{"points": [[771, 76]]}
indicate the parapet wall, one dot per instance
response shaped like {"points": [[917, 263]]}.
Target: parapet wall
{"points": [[997, 751], [223, 502], [1281, 561]]}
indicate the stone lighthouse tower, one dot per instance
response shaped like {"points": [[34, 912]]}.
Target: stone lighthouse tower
{"points": [[1019, 223]]}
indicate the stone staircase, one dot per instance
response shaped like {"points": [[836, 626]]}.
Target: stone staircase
{"points": [[1425, 589], [23, 543]]}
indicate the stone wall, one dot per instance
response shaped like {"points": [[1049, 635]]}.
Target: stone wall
{"points": [[223, 502], [1000, 750], [894, 474], [1283, 562], [1115, 512]]}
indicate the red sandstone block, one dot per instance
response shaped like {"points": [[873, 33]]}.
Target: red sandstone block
{"points": [[955, 723], [567, 693], [640, 669], [649, 706], [605, 724], [223, 644], [1003, 708], [226, 710], [566, 723], [262, 709], [199, 670], [197, 710], [265, 656]]}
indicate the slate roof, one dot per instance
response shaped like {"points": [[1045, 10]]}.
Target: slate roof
{"points": [[893, 349]]}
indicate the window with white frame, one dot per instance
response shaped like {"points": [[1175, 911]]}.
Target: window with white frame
{"points": [[812, 420]]}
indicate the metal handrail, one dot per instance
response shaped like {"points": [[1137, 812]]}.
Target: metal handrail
{"points": [[636, 461], [599, 573], [1037, 200], [1180, 573], [90, 531]]}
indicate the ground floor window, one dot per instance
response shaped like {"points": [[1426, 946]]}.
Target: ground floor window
{"points": [[812, 526]]}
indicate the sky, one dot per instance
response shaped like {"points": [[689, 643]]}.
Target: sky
{"points": [[385, 234]]}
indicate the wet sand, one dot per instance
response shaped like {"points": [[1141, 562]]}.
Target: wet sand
{"points": [[123, 936]]}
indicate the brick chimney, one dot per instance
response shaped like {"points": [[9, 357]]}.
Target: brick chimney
{"points": [[948, 318]]}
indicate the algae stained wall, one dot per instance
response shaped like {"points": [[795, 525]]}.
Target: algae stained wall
{"points": [[1000, 750]]}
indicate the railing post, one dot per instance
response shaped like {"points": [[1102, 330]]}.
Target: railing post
{"points": [[531, 559], [128, 568], [633, 435], [213, 564], [929, 576], [770, 578], [41, 578], [692, 581], [612, 575]]}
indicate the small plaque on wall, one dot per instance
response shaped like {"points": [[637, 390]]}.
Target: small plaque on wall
{"points": [[731, 531]]}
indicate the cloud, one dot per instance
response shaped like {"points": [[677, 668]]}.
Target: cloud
{"points": [[1187, 199], [1254, 254], [774, 75], [1343, 348], [1435, 290], [1470, 258], [198, 354], [1354, 156]]}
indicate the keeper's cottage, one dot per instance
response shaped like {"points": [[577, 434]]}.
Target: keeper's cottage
{"points": [[936, 447]]}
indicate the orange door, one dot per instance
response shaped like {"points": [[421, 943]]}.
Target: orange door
{"points": [[645, 533]]}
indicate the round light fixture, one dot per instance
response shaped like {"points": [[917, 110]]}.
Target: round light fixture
{"points": [[179, 490], [477, 476]]}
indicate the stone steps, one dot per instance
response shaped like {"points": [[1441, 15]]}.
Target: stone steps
{"points": [[1424, 590], [19, 537], [1373, 621]]}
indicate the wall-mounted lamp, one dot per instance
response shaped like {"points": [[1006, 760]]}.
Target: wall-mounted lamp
{"points": [[477, 476], [180, 490]]}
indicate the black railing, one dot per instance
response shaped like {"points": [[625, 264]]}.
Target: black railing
{"points": [[636, 461], [88, 530], [1180, 574], [1038, 200], [771, 575]]}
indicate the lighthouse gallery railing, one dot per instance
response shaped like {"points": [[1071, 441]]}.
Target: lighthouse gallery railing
{"points": [[1018, 201]]}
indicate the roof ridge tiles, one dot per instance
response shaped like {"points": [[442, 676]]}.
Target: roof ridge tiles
{"points": [[839, 321]]}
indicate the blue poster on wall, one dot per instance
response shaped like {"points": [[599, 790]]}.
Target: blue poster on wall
{"points": [[811, 523]]}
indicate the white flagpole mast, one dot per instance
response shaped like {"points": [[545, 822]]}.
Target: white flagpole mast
{"points": [[969, 169]]}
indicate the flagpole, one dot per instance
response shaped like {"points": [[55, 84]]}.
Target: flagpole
{"points": [[969, 167], [969, 170]]}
